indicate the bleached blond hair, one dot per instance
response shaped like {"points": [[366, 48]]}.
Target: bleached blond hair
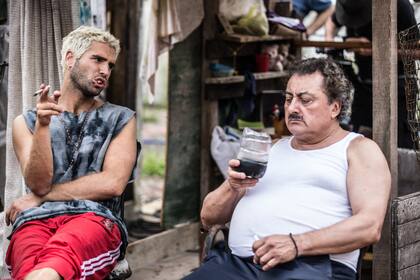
{"points": [[79, 40]]}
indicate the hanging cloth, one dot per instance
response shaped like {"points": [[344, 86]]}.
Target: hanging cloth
{"points": [[162, 27], [36, 31]]}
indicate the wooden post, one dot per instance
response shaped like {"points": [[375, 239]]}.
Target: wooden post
{"points": [[209, 109], [125, 16], [209, 116], [385, 118], [181, 195], [122, 90]]}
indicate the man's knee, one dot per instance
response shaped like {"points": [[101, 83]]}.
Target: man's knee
{"points": [[43, 273]]}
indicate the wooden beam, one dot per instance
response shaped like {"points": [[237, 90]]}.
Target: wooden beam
{"points": [[181, 201], [332, 44], [125, 16], [209, 109], [209, 117], [384, 51], [158, 246]]}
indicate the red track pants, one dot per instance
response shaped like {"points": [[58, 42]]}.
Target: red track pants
{"points": [[83, 246]]}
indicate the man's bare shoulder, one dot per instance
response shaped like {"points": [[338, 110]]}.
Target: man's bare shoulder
{"points": [[362, 143], [363, 149], [20, 128], [18, 122], [19, 118]]}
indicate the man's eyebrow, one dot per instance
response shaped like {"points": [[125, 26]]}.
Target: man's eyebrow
{"points": [[299, 94], [304, 93], [98, 56], [111, 64]]}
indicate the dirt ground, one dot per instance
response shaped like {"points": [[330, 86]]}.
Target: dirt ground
{"points": [[153, 139]]}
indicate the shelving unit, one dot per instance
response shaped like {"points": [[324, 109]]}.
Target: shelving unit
{"points": [[234, 86], [219, 90]]}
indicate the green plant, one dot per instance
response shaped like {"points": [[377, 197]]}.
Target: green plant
{"points": [[150, 119], [153, 165]]}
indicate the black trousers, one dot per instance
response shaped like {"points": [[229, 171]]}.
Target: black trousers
{"points": [[220, 265]]}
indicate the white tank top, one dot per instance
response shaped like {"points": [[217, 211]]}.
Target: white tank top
{"points": [[301, 191]]}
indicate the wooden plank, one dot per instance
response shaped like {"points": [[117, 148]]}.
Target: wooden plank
{"points": [[223, 91], [240, 78], [332, 44], [225, 80], [408, 233], [405, 234], [409, 256], [158, 246], [410, 273], [384, 52], [239, 38], [407, 208]]}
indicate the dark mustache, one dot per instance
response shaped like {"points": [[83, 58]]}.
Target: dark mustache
{"points": [[295, 117]]}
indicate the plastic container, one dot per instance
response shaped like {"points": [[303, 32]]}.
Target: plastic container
{"points": [[253, 153]]}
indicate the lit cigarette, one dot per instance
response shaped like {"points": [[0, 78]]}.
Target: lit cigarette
{"points": [[37, 92]]}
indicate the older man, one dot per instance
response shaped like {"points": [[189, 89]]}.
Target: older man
{"points": [[324, 194], [76, 154]]}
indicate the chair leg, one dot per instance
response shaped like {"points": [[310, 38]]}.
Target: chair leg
{"points": [[121, 271]]}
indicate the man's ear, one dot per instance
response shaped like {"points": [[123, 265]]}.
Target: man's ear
{"points": [[70, 59], [336, 109]]}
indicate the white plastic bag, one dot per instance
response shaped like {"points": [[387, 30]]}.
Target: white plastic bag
{"points": [[223, 148]]}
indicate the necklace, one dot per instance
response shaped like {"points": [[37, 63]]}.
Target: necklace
{"points": [[76, 146]]}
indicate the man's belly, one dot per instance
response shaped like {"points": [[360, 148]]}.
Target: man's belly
{"points": [[293, 210]]}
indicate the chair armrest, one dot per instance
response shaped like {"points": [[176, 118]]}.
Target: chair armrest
{"points": [[212, 237]]}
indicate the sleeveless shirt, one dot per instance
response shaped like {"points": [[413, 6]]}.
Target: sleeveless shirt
{"points": [[101, 126], [301, 191]]}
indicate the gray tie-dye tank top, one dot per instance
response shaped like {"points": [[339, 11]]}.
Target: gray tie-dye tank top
{"points": [[101, 126]]}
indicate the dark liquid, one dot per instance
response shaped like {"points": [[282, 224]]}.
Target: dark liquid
{"points": [[252, 168]]}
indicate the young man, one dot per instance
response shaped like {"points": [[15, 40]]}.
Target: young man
{"points": [[76, 154], [324, 194]]}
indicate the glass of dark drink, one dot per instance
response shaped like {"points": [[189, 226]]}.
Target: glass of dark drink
{"points": [[253, 153]]}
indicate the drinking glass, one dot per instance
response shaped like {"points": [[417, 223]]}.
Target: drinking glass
{"points": [[253, 153]]}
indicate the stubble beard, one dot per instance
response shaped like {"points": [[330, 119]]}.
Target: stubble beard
{"points": [[81, 83]]}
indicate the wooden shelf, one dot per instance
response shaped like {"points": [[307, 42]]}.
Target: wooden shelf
{"points": [[333, 44], [241, 79], [238, 38], [267, 83]]}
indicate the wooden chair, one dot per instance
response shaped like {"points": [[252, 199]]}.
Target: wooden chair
{"points": [[405, 237]]}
